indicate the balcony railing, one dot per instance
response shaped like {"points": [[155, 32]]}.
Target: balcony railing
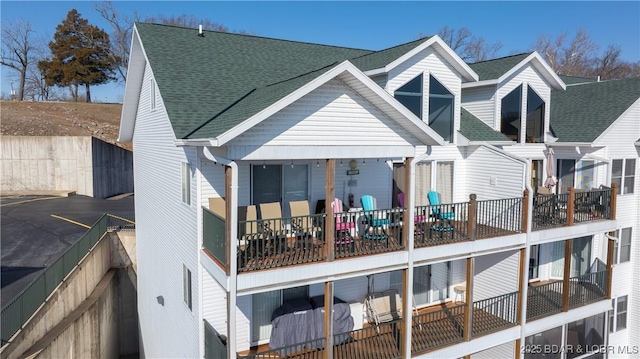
{"points": [[437, 329], [494, 314], [498, 217], [547, 299], [214, 236], [557, 210]]}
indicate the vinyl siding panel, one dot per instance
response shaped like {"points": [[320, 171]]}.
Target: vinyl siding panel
{"points": [[214, 299], [481, 102], [492, 175], [381, 80], [243, 323], [313, 120], [505, 350], [428, 62], [530, 75], [212, 181], [495, 268], [621, 136], [167, 238]]}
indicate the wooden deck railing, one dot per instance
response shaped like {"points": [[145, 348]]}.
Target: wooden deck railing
{"points": [[587, 288], [378, 341], [494, 313], [498, 217], [437, 329], [567, 209], [543, 300]]}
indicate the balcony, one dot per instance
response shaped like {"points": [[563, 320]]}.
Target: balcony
{"points": [[552, 297], [574, 207], [432, 328], [287, 241]]}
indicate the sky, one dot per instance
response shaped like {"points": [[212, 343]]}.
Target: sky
{"points": [[360, 24]]}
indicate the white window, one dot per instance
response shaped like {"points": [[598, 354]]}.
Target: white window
{"points": [[623, 173], [152, 95], [186, 285], [186, 183], [618, 316], [622, 249]]}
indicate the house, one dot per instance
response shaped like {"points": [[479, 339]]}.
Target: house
{"points": [[442, 247]]}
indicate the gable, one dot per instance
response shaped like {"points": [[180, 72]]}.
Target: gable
{"points": [[331, 115]]}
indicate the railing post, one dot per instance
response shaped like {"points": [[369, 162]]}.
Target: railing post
{"points": [[408, 203], [521, 285], [571, 206], [610, 260], [525, 211], [468, 306], [516, 353], [328, 318], [472, 219], [566, 275], [329, 223], [614, 200]]}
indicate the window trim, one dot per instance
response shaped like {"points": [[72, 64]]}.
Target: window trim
{"points": [[526, 117], [186, 182], [623, 175], [618, 244], [453, 106], [615, 313], [187, 294], [152, 95]]}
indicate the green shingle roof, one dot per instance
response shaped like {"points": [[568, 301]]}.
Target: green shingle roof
{"points": [[474, 129], [211, 84], [572, 80], [583, 112], [493, 69]]}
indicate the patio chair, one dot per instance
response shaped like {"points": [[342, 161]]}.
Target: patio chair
{"points": [[248, 234], [419, 219], [302, 224], [443, 221], [344, 226], [273, 226], [376, 226], [218, 206]]}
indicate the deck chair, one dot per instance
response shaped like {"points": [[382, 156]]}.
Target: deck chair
{"points": [[418, 219], [442, 220], [272, 225], [373, 220], [343, 226], [301, 221], [385, 306], [248, 233]]}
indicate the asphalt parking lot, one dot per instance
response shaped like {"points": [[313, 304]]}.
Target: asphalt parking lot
{"points": [[36, 230]]}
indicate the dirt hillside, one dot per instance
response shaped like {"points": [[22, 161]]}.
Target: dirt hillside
{"points": [[62, 119]]}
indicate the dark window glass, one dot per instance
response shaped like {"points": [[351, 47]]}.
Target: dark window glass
{"points": [[629, 172], [440, 109], [621, 315], [535, 117], [585, 335], [510, 115], [410, 95]]}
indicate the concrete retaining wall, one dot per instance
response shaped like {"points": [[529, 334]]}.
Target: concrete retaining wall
{"points": [[83, 164]]}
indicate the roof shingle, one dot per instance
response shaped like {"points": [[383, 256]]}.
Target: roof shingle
{"points": [[474, 129], [493, 69]]}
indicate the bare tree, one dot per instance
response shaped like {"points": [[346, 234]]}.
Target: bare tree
{"points": [[17, 50], [568, 57], [469, 47], [121, 27]]}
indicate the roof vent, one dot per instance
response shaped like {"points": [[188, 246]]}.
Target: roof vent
{"points": [[200, 33]]}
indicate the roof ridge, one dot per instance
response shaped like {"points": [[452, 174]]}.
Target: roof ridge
{"points": [[501, 58], [256, 36], [393, 47], [601, 81]]}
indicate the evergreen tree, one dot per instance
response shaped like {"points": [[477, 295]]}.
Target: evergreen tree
{"points": [[80, 56]]}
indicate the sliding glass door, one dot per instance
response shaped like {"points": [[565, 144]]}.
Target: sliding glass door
{"points": [[280, 183]]}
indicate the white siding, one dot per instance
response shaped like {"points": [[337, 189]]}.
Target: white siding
{"points": [[492, 175], [381, 80], [481, 102], [492, 269], [166, 236], [213, 181], [503, 351], [428, 62], [313, 120], [623, 133], [243, 323], [214, 299], [529, 75]]}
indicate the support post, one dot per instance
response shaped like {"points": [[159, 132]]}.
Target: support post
{"points": [[408, 213], [472, 216], [525, 210], [228, 193], [516, 353], [521, 284], [406, 315], [566, 275], [329, 194], [468, 306], [610, 261], [614, 200], [571, 202], [328, 318]]}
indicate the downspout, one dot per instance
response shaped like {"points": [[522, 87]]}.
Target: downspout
{"points": [[525, 275], [232, 286], [411, 229]]}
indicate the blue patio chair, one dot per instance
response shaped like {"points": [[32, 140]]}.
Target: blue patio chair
{"points": [[373, 220], [442, 220]]}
